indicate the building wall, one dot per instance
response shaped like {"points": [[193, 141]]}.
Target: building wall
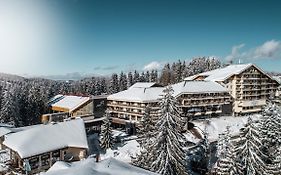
{"points": [[205, 104], [250, 90], [130, 111], [44, 161], [88, 108], [209, 104]]}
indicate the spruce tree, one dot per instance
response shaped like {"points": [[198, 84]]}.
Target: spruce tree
{"points": [[226, 164], [122, 82], [106, 133], [130, 79], [247, 150], [165, 155], [147, 127], [114, 85], [154, 76]]}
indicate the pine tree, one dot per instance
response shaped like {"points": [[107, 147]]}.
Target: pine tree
{"points": [[271, 126], [165, 78], [136, 77], [114, 85], [130, 79], [147, 127], [154, 76], [8, 110], [247, 150], [123, 81], [165, 155], [142, 77], [147, 76], [223, 143], [271, 136], [106, 133], [226, 164]]}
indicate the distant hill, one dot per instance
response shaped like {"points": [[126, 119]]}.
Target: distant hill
{"points": [[10, 77]]}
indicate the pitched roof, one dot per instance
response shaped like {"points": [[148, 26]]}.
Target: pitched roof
{"points": [[45, 138], [277, 78], [145, 85], [222, 73], [139, 92], [109, 166], [69, 102], [197, 87], [7, 130]]}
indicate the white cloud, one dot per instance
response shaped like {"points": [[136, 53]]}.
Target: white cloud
{"points": [[234, 52], [268, 50], [154, 65]]}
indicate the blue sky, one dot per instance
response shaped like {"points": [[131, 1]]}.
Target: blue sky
{"points": [[100, 37]]}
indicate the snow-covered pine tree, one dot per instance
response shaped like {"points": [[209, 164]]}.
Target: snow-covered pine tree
{"points": [[146, 133], [165, 78], [223, 143], [114, 85], [147, 76], [271, 127], [130, 80], [166, 155], [123, 81], [247, 150], [226, 164], [154, 76], [142, 77], [275, 167], [136, 77], [106, 133], [147, 127]]}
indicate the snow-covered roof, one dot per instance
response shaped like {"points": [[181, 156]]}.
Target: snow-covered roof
{"points": [[144, 85], [139, 92], [109, 166], [69, 102], [222, 73], [7, 130], [45, 138], [277, 78], [197, 87]]}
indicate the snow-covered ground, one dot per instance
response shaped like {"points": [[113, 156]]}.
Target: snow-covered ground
{"points": [[124, 153], [216, 126]]}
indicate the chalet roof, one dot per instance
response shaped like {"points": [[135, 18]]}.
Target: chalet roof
{"points": [[7, 129], [45, 138], [139, 92], [277, 78], [109, 166], [69, 102], [145, 85], [197, 87], [221, 74]]}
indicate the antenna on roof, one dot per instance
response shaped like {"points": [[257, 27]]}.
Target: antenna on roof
{"points": [[144, 90]]}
